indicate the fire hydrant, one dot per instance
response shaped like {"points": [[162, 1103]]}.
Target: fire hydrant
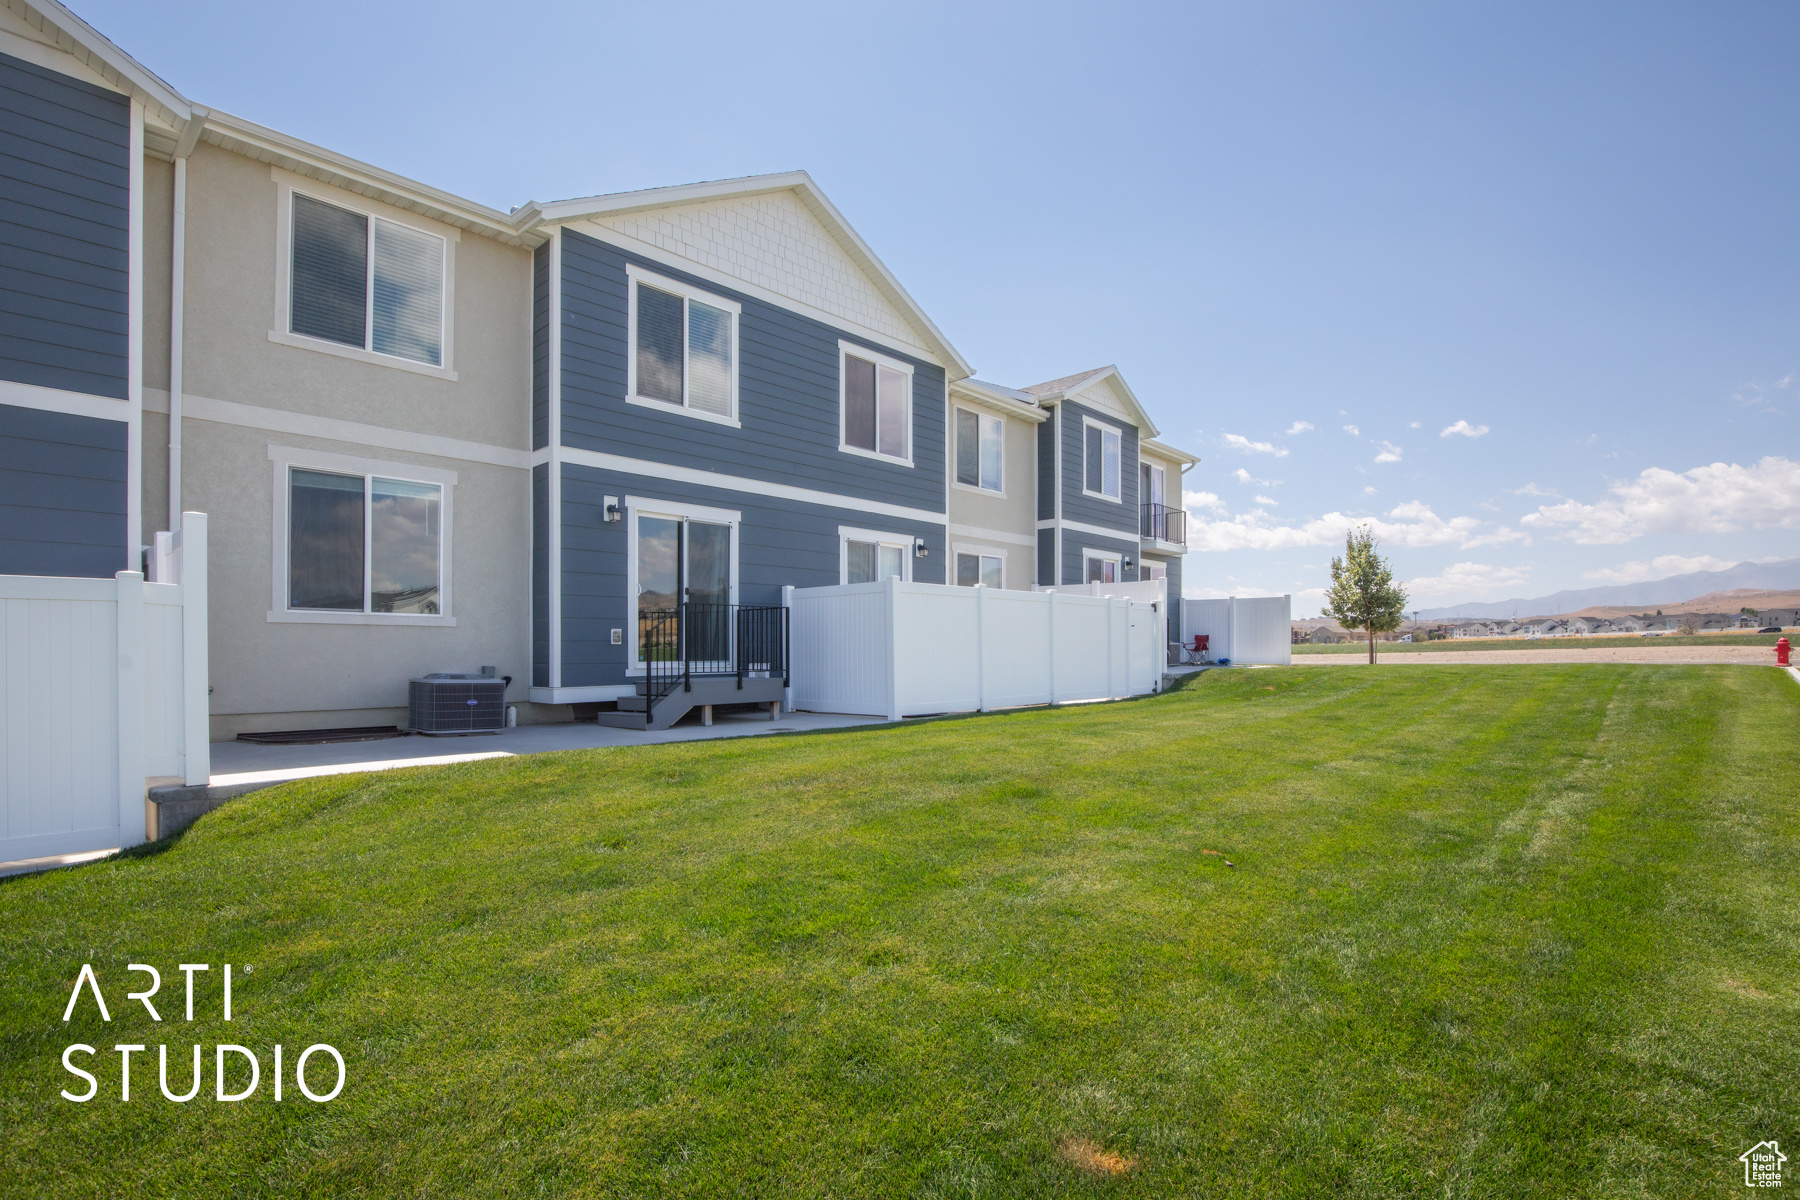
{"points": [[1781, 652]]}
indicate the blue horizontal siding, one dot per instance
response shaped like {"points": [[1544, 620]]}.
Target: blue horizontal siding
{"points": [[1076, 542], [1077, 506], [1046, 558], [540, 575], [62, 494], [779, 542], [65, 181], [787, 393]]}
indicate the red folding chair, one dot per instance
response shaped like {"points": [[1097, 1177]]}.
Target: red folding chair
{"points": [[1196, 653]]}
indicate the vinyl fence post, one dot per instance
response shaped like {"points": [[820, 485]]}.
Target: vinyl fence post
{"points": [[130, 643], [787, 646], [892, 595], [1052, 603], [981, 697], [196, 704]]}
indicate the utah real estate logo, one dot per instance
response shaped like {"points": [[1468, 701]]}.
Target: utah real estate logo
{"points": [[1762, 1164]]}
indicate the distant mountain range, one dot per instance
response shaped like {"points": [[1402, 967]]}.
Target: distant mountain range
{"points": [[1775, 576]]}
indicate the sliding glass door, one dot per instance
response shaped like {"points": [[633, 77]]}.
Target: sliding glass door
{"points": [[680, 561]]}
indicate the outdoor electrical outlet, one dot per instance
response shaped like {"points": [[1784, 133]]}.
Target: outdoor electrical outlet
{"points": [[618, 638]]}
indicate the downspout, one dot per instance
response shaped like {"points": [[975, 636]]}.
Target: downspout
{"points": [[190, 136]]}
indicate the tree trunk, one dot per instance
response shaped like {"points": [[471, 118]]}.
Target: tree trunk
{"points": [[1371, 647]]}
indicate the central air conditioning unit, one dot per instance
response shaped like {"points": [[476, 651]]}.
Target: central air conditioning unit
{"points": [[446, 703]]}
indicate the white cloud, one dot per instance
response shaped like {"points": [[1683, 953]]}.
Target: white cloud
{"points": [[1660, 567], [1269, 502], [1207, 500], [1465, 429], [1299, 427], [1353, 431], [1247, 479], [1416, 425], [1237, 442], [1467, 579], [1389, 452], [1410, 524], [1718, 498], [1369, 491], [1532, 489]]}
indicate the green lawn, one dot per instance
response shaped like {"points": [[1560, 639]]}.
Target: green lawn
{"points": [[1524, 931], [1562, 643]]}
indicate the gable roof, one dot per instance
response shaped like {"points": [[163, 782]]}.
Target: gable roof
{"points": [[1066, 388], [74, 36], [538, 215]]}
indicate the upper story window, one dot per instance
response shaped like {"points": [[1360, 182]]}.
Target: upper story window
{"points": [[683, 348], [365, 282], [978, 450], [1100, 460], [876, 404]]}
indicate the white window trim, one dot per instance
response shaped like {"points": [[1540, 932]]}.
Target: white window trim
{"points": [[998, 552], [635, 275], [981, 415], [286, 184], [1111, 556], [1105, 428], [846, 349], [282, 458], [648, 506], [849, 533]]}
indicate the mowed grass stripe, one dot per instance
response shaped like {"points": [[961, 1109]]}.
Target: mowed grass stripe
{"points": [[1503, 932]]}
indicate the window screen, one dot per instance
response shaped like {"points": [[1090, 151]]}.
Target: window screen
{"points": [[968, 448], [409, 294], [325, 541], [1100, 461], [659, 348], [859, 403], [709, 358], [330, 272], [859, 562]]}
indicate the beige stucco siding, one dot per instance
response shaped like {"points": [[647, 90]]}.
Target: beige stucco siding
{"points": [[977, 516], [263, 667], [231, 303], [272, 674]]}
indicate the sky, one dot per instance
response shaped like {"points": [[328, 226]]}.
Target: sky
{"points": [[1515, 284]]}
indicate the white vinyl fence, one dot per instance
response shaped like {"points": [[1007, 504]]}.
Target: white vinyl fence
{"points": [[1249, 630], [103, 686], [898, 649]]}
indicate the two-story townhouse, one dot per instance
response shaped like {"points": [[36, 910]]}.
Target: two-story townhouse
{"points": [[993, 485], [730, 394], [1102, 501], [434, 436]]}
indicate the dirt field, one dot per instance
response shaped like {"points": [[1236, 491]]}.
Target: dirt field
{"points": [[1639, 653]]}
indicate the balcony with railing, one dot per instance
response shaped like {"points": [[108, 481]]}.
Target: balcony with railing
{"points": [[1160, 526]]}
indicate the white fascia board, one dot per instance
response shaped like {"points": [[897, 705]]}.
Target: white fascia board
{"points": [[89, 45], [978, 397], [303, 158], [1155, 449], [560, 211]]}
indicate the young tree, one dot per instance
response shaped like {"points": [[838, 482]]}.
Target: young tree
{"points": [[1363, 594]]}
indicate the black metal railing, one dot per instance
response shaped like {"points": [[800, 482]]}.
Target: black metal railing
{"points": [[1163, 523], [745, 640]]}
